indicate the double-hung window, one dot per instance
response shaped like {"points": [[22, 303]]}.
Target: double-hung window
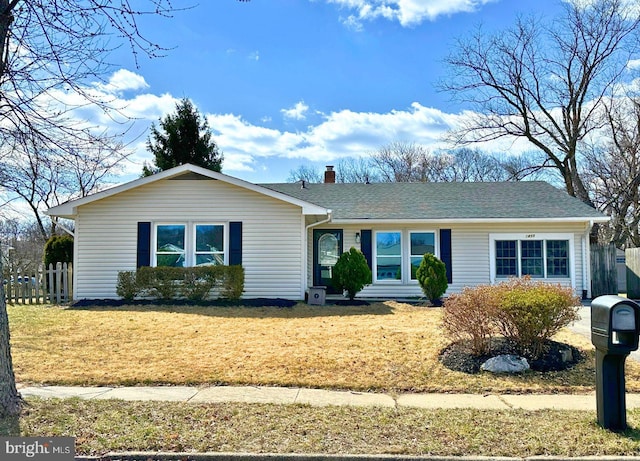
{"points": [[398, 254], [170, 245], [190, 244], [388, 255], [209, 244], [538, 256], [419, 244]]}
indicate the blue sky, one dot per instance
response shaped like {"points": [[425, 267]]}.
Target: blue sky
{"points": [[291, 82]]}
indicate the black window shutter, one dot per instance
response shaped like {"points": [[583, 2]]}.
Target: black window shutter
{"points": [[235, 243], [144, 245], [445, 251], [366, 247]]}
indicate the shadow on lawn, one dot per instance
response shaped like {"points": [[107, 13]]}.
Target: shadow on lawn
{"points": [[246, 308]]}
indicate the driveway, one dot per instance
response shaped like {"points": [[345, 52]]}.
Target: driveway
{"points": [[583, 326]]}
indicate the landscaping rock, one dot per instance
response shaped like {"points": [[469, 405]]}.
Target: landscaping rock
{"points": [[506, 364]]}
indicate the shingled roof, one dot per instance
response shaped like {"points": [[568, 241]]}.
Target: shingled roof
{"points": [[524, 200]]}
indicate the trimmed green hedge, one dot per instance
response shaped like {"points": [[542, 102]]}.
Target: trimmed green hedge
{"points": [[193, 283]]}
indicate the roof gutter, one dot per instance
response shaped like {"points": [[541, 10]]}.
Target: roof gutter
{"points": [[470, 220]]}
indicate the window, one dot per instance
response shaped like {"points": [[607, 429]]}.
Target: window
{"points": [[388, 256], [181, 245], [398, 254], [531, 258], [557, 258], [170, 249], [515, 256], [209, 245], [420, 243], [506, 258]]}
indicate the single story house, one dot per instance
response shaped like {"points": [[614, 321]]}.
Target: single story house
{"points": [[288, 236]]}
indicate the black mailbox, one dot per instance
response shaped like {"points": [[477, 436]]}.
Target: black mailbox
{"points": [[615, 326], [615, 323]]}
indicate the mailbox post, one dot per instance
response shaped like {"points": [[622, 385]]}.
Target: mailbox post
{"points": [[615, 326]]}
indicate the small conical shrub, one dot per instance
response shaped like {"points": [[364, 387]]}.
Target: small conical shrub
{"points": [[351, 273], [432, 277]]}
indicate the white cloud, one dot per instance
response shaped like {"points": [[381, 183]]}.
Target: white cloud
{"points": [[407, 12], [633, 64], [296, 112], [248, 147], [123, 80]]}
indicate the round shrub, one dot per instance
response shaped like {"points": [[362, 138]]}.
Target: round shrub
{"points": [[525, 312], [470, 315], [58, 249], [432, 277], [351, 273], [531, 312]]}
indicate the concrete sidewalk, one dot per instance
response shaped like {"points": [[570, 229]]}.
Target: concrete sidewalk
{"points": [[320, 397]]}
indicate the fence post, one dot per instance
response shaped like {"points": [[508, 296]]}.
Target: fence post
{"points": [[51, 284], [58, 282], [65, 287]]}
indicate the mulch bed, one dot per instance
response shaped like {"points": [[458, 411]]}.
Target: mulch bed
{"points": [[457, 356], [257, 302]]}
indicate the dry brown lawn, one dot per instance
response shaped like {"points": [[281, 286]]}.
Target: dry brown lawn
{"points": [[385, 346]]}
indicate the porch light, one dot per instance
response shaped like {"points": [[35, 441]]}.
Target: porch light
{"points": [[357, 237]]}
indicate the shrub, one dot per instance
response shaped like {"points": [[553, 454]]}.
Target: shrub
{"points": [[197, 283], [58, 249], [233, 284], [127, 287], [525, 312], [432, 277], [351, 273], [532, 312], [193, 283], [470, 315]]}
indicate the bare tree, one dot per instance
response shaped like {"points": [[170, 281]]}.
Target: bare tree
{"points": [[356, 170], [402, 162], [546, 81], [42, 179], [305, 173], [613, 172], [50, 49]]}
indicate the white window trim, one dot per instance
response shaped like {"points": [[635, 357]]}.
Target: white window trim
{"points": [[533, 236], [405, 254], [154, 240], [436, 250], [190, 239], [225, 241]]}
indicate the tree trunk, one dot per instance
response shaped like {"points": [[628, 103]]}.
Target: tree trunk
{"points": [[10, 399]]}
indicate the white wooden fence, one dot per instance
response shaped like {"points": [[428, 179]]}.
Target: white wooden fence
{"points": [[48, 285]]}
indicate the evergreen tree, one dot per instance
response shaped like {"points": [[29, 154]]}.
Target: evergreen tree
{"points": [[183, 137]]}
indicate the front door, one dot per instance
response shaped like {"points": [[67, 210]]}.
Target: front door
{"points": [[327, 248]]}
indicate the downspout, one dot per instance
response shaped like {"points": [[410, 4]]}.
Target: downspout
{"points": [[586, 262], [68, 231], [305, 269]]}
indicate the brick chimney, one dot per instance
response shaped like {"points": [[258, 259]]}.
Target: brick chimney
{"points": [[329, 175]]}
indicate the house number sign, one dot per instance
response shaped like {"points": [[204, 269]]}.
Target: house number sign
{"points": [[530, 236]]}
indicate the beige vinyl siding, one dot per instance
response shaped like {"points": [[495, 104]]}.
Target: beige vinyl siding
{"points": [[470, 253], [272, 253]]}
